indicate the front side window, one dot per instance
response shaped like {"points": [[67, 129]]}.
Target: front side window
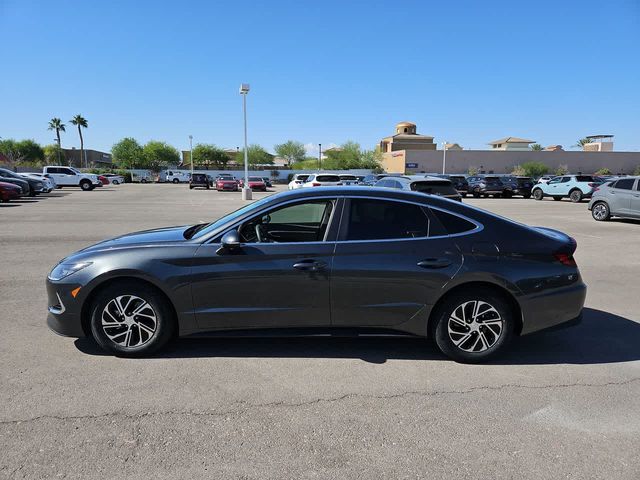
{"points": [[67, 171], [625, 184], [371, 219], [300, 222]]}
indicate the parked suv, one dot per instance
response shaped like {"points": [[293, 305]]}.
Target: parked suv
{"points": [[517, 185], [576, 187], [199, 180], [70, 177], [485, 185], [441, 187], [297, 180], [620, 198]]}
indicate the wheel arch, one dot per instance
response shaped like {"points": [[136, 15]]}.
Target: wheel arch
{"points": [[85, 313], [495, 288]]}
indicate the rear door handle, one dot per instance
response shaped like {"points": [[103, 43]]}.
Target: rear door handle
{"points": [[434, 263], [309, 265]]}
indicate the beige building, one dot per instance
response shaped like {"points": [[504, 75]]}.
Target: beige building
{"points": [[599, 143], [511, 144], [406, 138], [553, 148]]}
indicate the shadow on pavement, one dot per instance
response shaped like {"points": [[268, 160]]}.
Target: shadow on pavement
{"points": [[601, 338]]}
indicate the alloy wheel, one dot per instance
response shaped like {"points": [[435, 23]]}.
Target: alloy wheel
{"points": [[600, 211], [129, 321], [475, 326]]}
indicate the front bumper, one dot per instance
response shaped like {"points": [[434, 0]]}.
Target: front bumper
{"points": [[65, 311]]}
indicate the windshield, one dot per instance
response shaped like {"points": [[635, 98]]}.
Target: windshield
{"points": [[202, 229]]}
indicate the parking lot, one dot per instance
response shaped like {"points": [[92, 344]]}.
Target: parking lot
{"points": [[561, 404]]}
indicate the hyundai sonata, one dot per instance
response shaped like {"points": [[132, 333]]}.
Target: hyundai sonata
{"points": [[328, 260]]}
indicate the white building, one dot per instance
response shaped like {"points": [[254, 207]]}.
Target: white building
{"points": [[511, 144]]}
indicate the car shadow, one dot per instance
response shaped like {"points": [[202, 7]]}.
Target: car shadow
{"points": [[625, 220], [602, 337], [8, 204]]}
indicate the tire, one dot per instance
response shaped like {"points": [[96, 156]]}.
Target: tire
{"points": [[537, 194], [112, 333], [527, 195], [190, 187], [208, 187], [32, 192], [476, 194], [467, 340], [175, 180], [86, 186], [144, 180], [497, 195], [507, 194], [115, 182], [575, 195], [600, 211]]}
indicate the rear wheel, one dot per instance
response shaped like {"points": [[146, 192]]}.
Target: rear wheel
{"points": [[474, 326], [537, 194], [86, 185], [600, 212], [175, 180], [115, 182], [129, 319], [575, 196]]}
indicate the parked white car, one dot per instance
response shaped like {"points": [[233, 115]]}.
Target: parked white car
{"points": [[71, 177], [49, 183], [297, 180], [114, 178], [322, 180], [348, 179], [177, 176]]}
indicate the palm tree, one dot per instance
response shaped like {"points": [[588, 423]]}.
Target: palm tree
{"points": [[81, 123], [56, 124], [582, 142], [536, 147]]}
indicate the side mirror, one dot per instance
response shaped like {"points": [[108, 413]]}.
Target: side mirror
{"points": [[230, 241]]}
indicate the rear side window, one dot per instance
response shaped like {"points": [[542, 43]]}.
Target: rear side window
{"points": [[625, 184], [452, 223], [434, 188], [584, 178], [383, 219]]}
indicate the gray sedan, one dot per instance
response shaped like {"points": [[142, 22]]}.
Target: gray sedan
{"points": [[619, 198]]}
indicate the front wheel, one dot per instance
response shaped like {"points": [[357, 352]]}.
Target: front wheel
{"points": [[474, 326], [131, 320], [115, 182], [86, 185], [175, 180], [576, 196], [537, 194], [600, 212]]}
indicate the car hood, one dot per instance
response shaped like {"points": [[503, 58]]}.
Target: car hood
{"points": [[138, 239]]}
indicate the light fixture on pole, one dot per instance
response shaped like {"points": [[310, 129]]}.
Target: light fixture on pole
{"points": [[246, 190], [191, 153], [444, 157]]}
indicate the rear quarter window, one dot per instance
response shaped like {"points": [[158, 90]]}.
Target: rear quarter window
{"points": [[451, 224]]}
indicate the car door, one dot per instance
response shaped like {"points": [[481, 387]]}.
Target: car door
{"points": [[68, 176], [634, 209], [57, 175], [278, 277], [386, 266], [620, 195]]}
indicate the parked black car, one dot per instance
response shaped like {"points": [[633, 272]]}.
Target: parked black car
{"points": [[517, 185], [267, 182], [459, 182], [485, 185], [34, 186], [201, 180], [324, 260]]}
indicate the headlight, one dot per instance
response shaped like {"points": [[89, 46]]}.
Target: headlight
{"points": [[63, 270]]}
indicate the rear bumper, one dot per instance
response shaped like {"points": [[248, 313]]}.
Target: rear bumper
{"points": [[555, 308]]}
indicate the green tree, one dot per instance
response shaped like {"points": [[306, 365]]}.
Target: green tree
{"points": [[637, 170], [127, 153], [582, 142], [472, 171], [209, 155], [52, 153], [536, 147], [291, 150], [80, 122], [56, 124], [256, 156], [158, 155], [603, 171], [562, 170], [534, 169], [22, 152]]}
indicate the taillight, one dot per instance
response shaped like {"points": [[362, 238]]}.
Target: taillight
{"points": [[315, 184], [565, 259]]}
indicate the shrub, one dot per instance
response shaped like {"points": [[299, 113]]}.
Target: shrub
{"points": [[472, 171], [562, 170], [534, 169], [603, 171], [637, 170], [518, 170]]}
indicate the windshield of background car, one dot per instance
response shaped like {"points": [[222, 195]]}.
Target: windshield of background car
{"points": [[212, 227], [328, 178], [434, 188]]}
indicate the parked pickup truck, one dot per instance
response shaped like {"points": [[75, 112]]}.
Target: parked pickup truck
{"points": [[71, 177], [576, 187]]}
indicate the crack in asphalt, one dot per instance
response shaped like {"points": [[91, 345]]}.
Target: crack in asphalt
{"points": [[346, 396]]}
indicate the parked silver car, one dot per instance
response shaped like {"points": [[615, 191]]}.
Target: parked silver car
{"points": [[619, 198]]}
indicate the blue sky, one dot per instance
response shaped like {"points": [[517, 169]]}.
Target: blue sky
{"points": [[321, 71]]}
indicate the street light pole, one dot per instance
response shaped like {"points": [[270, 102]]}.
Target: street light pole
{"points": [[246, 190], [444, 157], [319, 156], [191, 153]]}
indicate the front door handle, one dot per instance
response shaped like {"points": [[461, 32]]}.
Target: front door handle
{"points": [[434, 263], [309, 265]]}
